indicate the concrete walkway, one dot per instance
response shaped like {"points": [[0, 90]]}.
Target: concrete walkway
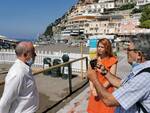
{"points": [[79, 103]]}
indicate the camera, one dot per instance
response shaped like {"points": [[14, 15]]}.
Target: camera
{"points": [[93, 63]]}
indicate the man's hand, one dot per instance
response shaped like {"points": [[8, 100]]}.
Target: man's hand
{"points": [[113, 79]]}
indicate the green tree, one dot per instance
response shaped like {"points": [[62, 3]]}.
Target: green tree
{"points": [[127, 6], [145, 17], [96, 1], [145, 14], [136, 10], [49, 31], [146, 24]]}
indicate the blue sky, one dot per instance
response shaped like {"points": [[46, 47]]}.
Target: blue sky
{"points": [[25, 19]]}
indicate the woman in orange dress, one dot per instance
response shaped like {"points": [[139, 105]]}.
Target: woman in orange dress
{"points": [[105, 57]]}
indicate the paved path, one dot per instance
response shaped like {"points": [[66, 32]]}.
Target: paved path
{"points": [[63, 48], [79, 103]]}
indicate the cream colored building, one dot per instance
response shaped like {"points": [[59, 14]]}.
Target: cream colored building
{"points": [[93, 9], [142, 2], [107, 4], [93, 25], [122, 2], [78, 23], [89, 20], [104, 25]]}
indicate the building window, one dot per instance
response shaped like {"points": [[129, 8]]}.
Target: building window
{"points": [[106, 5], [107, 30], [104, 31], [86, 25]]}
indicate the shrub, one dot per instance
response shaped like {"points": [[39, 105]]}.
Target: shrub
{"points": [[127, 6], [136, 10], [145, 24]]}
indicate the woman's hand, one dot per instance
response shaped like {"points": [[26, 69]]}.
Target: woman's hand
{"points": [[102, 69], [92, 75], [93, 90]]}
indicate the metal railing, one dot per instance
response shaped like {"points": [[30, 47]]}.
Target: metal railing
{"points": [[69, 69], [68, 65]]}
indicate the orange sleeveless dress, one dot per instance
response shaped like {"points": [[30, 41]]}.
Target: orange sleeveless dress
{"points": [[97, 106]]}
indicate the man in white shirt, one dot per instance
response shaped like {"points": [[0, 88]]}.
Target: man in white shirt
{"points": [[20, 93]]}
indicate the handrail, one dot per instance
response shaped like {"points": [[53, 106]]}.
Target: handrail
{"points": [[4, 72], [63, 64], [66, 64], [2, 82]]}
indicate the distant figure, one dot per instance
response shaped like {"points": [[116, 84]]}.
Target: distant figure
{"points": [[105, 57], [20, 92], [133, 93]]}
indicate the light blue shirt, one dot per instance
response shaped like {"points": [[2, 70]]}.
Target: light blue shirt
{"points": [[20, 93], [133, 89]]}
